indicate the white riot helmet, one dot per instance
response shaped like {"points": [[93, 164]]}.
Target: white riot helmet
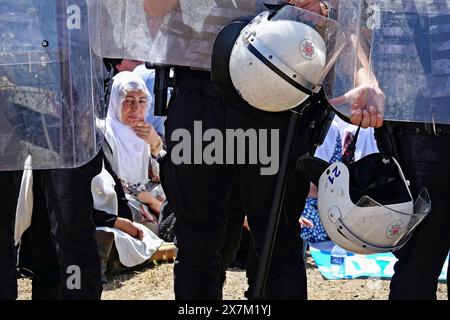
{"points": [[276, 61], [367, 207], [286, 56]]}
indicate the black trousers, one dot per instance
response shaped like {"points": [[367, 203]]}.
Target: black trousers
{"points": [[9, 192], [64, 248], [235, 213], [425, 160], [64, 218], [198, 194]]}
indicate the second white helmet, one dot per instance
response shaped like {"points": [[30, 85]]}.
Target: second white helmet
{"points": [[368, 207]]}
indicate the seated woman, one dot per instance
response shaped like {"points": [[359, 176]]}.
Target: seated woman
{"points": [[133, 243], [131, 139], [128, 146], [133, 142]]}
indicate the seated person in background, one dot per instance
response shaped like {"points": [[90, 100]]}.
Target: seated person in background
{"points": [[128, 146], [338, 138], [122, 242], [120, 65], [131, 139], [123, 220]]}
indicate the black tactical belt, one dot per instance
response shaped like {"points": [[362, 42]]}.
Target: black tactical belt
{"points": [[184, 72], [417, 128], [195, 81]]}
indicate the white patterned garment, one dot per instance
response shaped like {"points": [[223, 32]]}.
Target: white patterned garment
{"points": [[133, 252]]}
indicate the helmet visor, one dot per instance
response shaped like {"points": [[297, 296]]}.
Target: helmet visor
{"points": [[329, 30], [388, 227]]}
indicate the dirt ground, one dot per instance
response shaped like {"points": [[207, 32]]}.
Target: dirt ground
{"points": [[155, 282]]}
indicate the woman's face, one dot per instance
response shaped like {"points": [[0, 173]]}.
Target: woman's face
{"points": [[133, 108]]}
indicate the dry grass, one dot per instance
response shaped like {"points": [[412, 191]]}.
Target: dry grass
{"points": [[155, 282]]}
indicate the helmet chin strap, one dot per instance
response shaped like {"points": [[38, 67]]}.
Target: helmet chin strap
{"points": [[264, 55], [349, 154], [275, 5]]}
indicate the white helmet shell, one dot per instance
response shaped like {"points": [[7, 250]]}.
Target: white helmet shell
{"points": [[274, 65], [366, 227]]}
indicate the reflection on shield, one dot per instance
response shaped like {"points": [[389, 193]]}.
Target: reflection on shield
{"points": [[407, 47], [170, 32], [50, 84]]}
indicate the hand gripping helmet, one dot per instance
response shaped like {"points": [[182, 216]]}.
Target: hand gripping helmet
{"points": [[273, 63], [367, 206]]}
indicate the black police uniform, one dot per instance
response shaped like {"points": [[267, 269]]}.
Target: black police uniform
{"points": [[63, 233], [194, 50], [9, 188], [425, 159], [199, 193]]}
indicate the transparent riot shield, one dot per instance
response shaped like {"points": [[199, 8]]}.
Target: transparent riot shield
{"points": [[170, 32], [400, 47], [50, 84]]}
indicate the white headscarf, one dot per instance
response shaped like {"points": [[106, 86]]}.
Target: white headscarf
{"points": [[131, 154]]}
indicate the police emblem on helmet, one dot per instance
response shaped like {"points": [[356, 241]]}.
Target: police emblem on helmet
{"points": [[307, 49], [394, 229]]}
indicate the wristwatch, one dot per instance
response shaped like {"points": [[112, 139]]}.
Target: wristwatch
{"points": [[161, 154], [327, 9]]}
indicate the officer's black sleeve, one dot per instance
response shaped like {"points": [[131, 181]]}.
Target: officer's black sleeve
{"points": [[103, 219]]}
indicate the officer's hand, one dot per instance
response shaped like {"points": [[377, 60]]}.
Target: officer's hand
{"points": [[310, 5], [367, 105]]}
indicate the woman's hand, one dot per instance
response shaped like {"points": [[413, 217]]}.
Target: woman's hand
{"points": [[147, 132], [139, 233], [129, 227], [153, 203]]}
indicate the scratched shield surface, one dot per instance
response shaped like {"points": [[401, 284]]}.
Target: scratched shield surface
{"points": [[50, 84], [406, 46], [170, 32]]}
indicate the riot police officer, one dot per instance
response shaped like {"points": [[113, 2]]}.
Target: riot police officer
{"points": [[198, 192], [407, 44], [10, 182], [422, 148], [47, 103]]}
